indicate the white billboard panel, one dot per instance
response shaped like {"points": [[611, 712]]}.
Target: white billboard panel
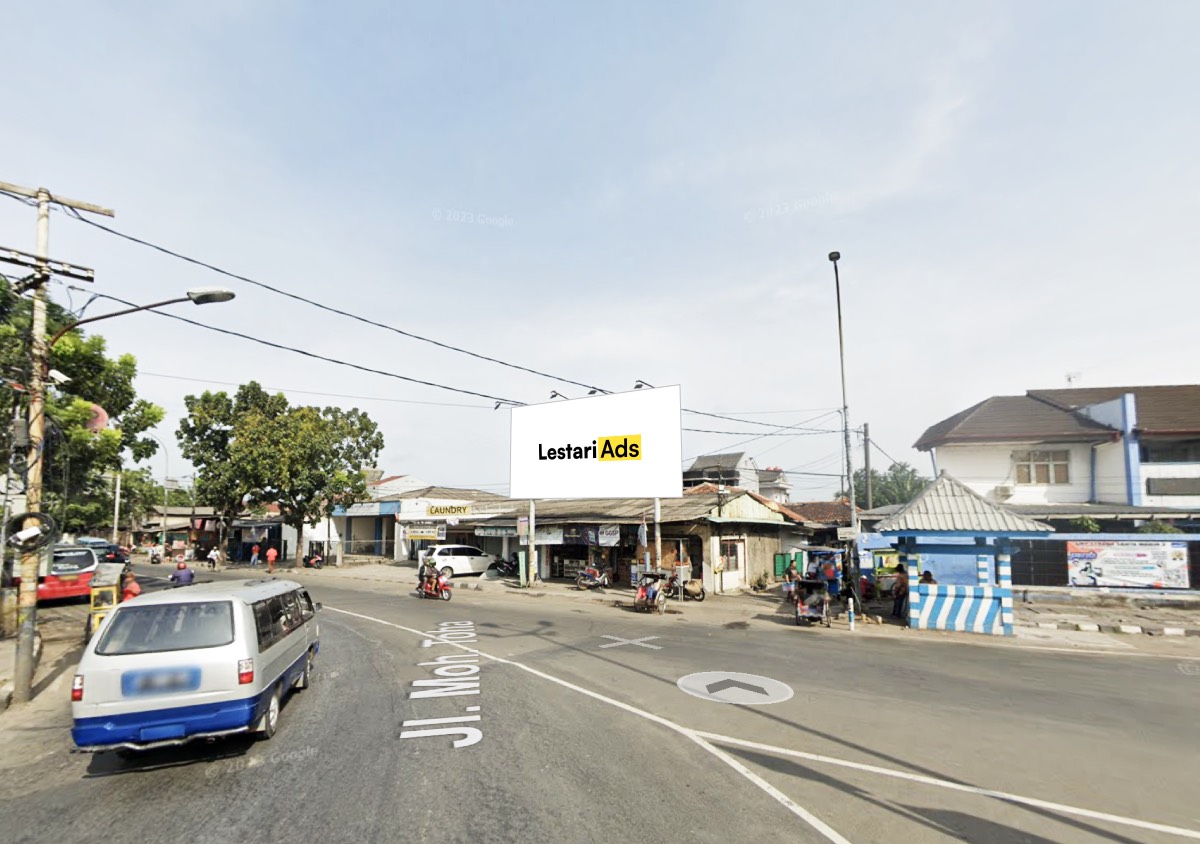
{"points": [[617, 446]]}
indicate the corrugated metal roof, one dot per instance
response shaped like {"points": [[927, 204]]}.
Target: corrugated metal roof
{"points": [[948, 505], [444, 492]]}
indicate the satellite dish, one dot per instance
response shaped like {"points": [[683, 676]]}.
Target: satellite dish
{"points": [[99, 419]]}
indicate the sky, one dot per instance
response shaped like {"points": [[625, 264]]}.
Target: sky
{"points": [[622, 191]]}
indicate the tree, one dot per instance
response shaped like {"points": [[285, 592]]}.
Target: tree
{"points": [[75, 457], [307, 460], [255, 449], [900, 484], [205, 436], [1158, 527]]}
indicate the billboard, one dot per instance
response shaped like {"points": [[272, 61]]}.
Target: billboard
{"points": [[616, 446], [1152, 564]]}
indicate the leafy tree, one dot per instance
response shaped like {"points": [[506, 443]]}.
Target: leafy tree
{"points": [[205, 436], [307, 460], [75, 458], [1158, 527], [900, 484], [255, 449], [1085, 524]]}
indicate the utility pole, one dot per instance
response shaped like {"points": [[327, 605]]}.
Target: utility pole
{"points": [[116, 507], [867, 460], [40, 358], [851, 549]]}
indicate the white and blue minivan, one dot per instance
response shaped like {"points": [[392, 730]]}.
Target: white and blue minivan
{"points": [[208, 660]]}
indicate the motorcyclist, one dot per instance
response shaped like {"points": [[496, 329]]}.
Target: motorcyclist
{"points": [[183, 576], [428, 575]]}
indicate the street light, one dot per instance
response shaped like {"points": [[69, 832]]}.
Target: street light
{"points": [[637, 385], [197, 295], [852, 550], [40, 360]]}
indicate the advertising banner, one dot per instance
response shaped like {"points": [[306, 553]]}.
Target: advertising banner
{"points": [[546, 536], [615, 446], [610, 535], [496, 531], [1153, 565], [426, 530]]}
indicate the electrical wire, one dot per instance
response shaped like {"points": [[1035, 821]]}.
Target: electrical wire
{"points": [[74, 214], [314, 355]]}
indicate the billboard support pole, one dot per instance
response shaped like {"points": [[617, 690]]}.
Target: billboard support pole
{"points": [[531, 557], [657, 534]]}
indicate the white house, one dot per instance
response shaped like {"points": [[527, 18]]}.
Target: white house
{"points": [[1138, 446]]}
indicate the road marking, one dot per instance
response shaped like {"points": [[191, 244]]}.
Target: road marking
{"points": [[954, 786], [785, 801], [641, 643], [736, 688]]}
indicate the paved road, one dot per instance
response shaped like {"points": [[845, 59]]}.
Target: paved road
{"points": [[586, 736]]}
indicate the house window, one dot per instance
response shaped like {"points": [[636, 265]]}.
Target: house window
{"points": [[1166, 451], [730, 554], [1042, 467]]}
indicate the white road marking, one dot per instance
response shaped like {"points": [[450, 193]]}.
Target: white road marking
{"points": [[954, 786], [639, 642], [793, 807], [703, 739]]}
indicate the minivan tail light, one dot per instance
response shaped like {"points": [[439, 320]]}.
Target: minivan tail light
{"points": [[245, 671], [77, 688]]}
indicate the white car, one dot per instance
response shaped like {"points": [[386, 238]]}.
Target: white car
{"points": [[457, 559]]}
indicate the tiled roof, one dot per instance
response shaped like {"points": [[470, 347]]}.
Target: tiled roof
{"points": [[717, 461], [1165, 409], [947, 505], [1013, 418], [823, 512]]}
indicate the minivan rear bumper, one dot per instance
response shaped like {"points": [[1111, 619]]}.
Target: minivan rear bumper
{"points": [[165, 727]]}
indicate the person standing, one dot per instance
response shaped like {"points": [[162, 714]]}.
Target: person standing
{"points": [[790, 577], [272, 556], [900, 593], [214, 557], [254, 555]]}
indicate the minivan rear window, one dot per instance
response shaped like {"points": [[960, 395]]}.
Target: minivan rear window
{"points": [[168, 627], [69, 561]]}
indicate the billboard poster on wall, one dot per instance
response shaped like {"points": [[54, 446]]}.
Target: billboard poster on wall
{"points": [[1152, 565], [626, 445]]}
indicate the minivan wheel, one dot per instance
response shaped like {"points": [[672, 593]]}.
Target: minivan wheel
{"points": [[446, 571], [271, 717]]}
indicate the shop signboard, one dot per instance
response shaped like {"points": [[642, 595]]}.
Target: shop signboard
{"points": [[626, 445], [609, 535], [501, 530], [1133, 563], [546, 536], [425, 530]]}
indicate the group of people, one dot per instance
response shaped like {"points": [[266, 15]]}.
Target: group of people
{"points": [[272, 555], [792, 578]]}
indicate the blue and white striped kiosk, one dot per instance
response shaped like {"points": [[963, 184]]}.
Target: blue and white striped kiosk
{"points": [[950, 519]]}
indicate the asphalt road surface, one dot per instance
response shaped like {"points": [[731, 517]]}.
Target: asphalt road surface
{"points": [[578, 730]]}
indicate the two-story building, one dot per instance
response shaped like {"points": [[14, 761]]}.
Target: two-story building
{"points": [[1134, 446]]}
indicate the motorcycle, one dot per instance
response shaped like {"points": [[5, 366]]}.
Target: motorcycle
{"points": [[155, 558], [439, 587], [651, 595], [693, 590], [591, 578], [313, 562], [507, 568]]}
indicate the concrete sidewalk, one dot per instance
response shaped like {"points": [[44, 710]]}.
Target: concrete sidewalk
{"points": [[59, 643]]}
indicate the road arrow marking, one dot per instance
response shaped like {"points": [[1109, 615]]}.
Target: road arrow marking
{"points": [[722, 685]]}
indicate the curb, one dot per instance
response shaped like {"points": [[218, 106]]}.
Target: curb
{"points": [[1130, 629]]}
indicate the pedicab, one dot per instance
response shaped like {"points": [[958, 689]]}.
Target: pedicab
{"points": [[812, 603], [105, 594]]}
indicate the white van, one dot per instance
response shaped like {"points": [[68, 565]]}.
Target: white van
{"points": [[208, 660]]}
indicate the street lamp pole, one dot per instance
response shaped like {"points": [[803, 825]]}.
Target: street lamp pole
{"points": [[40, 348], [166, 475], [852, 554]]}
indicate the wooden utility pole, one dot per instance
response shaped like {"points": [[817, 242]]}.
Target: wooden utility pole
{"points": [[40, 359]]}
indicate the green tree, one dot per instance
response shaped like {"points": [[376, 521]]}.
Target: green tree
{"points": [[75, 458], [307, 460], [205, 436], [900, 484], [1158, 527]]}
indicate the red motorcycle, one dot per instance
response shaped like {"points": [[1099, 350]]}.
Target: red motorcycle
{"points": [[438, 587]]}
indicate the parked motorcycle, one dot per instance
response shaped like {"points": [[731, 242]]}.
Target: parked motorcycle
{"points": [[507, 568], [439, 587], [591, 578], [651, 595], [693, 590], [313, 562]]}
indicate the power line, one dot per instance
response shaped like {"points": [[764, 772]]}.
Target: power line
{"points": [[316, 393], [229, 274], [260, 341]]}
